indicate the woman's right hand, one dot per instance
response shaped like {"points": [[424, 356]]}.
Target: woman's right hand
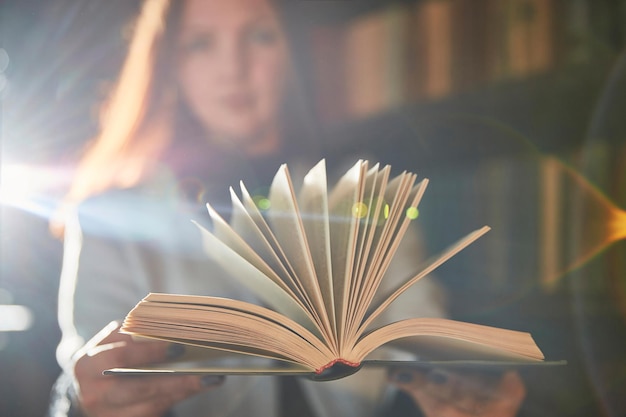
{"points": [[138, 396], [468, 393]]}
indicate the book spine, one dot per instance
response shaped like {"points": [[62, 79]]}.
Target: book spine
{"points": [[541, 30], [329, 73], [470, 43], [335, 369], [366, 39], [433, 39], [551, 200], [397, 55]]}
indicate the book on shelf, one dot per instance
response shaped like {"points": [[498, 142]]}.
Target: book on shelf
{"points": [[366, 39], [316, 261], [526, 37], [470, 43], [361, 67], [433, 42], [328, 56]]}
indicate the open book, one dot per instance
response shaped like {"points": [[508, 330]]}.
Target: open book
{"points": [[316, 263]]}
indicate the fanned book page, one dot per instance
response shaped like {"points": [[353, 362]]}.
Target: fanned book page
{"points": [[316, 262]]}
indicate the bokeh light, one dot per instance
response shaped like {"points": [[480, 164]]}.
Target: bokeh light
{"points": [[15, 318], [412, 213], [359, 210], [262, 202]]}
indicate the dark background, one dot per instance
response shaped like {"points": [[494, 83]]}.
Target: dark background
{"points": [[486, 152]]}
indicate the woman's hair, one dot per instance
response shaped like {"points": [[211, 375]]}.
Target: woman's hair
{"points": [[136, 120], [142, 115]]}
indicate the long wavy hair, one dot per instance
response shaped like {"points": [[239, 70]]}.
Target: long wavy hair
{"points": [[142, 116]]}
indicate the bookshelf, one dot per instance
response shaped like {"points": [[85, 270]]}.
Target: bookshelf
{"points": [[367, 62], [405, 52]]}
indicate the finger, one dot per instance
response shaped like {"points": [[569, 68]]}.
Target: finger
{"points": [[123, 354], [511, 392], [141, 396], [138, 350], [129, 353], [435, 407], [158, 405], [488, 395], [111, 334], [512, 385], [130, 390], [108, 334], [438, 382], [496, 399], [444, 393], [469, 391], [106, 338]]}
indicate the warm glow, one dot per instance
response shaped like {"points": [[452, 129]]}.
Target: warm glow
{"points": [[617, 225]]}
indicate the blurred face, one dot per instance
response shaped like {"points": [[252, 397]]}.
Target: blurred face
{"points": [[232, 68]]}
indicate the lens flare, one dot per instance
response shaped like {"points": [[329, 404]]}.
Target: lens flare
{"points": [[32, 188], [617, 226], [593, 222]]}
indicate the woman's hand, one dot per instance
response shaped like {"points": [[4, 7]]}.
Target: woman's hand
{"points": [[442, 393], [120, 396]]}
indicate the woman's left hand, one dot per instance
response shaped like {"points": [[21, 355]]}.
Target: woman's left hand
{"points": [[443, 393]]}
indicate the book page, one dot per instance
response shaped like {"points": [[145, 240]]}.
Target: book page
{"points": [[263, 227], [396, 193], [223, 323], [244, 225], [372, 217], [384, 300], [343, 236], [392, 195], [397, 234], [256, 281], [285, 221], [313, 203], [437, 338]]}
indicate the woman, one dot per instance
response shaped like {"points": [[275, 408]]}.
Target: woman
{"points": [[203, 100]]}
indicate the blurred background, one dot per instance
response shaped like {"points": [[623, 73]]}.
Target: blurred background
{"points": [[513, 108]]}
